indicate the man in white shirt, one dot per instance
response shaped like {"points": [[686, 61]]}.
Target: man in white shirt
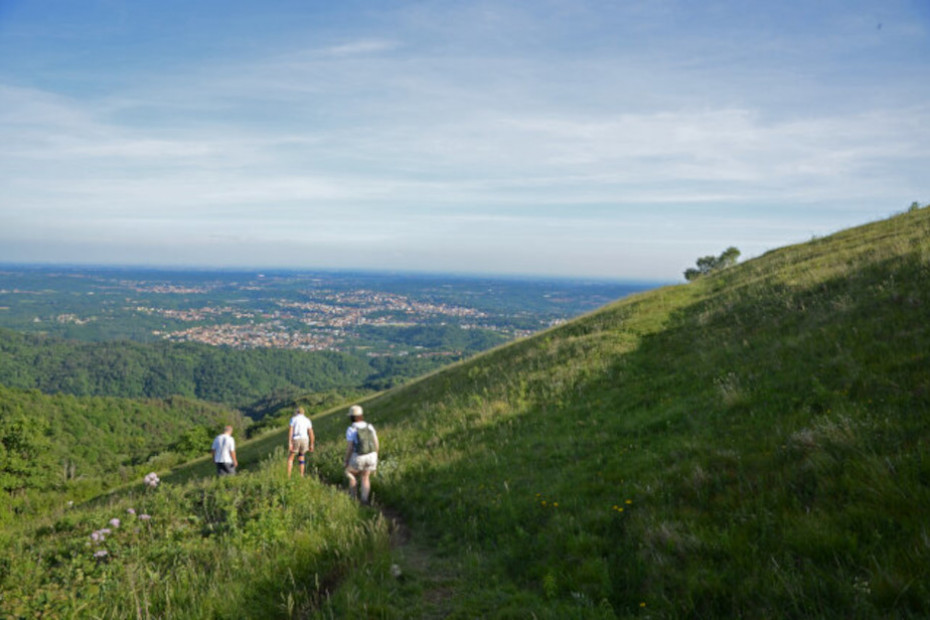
{"points": [[224, 453], [300, 440]]}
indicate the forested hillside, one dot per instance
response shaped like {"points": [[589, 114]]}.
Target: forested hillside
{"points": [[84, 444], [159, 370]]}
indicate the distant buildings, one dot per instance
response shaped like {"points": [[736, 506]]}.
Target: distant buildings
{"points": [[322, 324]]}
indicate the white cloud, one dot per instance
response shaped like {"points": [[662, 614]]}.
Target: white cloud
{"points": [[361, 47]]}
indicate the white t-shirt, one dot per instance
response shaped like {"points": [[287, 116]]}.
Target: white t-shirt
{"points": [[223, 446], [300, 426]]}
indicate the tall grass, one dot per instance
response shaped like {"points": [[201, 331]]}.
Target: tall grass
{"points": [[254, 546]]}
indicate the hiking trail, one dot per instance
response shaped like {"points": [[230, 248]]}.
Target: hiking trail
{"points": [[438, 575]]}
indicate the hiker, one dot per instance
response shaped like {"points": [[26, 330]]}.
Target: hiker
{"points": [[361, 453], [224, 453], [300, 440]]}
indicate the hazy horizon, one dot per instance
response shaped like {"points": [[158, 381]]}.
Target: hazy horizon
{"points": [[335, 271]]}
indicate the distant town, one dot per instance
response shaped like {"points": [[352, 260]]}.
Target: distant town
{"points": [[329, 320], [371, 314]]}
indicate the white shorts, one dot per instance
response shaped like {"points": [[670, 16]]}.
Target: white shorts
{"points": [[363, 462]]}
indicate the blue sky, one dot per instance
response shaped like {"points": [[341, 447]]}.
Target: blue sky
{"points": [[617, 139]]}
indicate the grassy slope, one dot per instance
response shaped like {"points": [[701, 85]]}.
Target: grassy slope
{"points": [[253, 546], [753, 444]]}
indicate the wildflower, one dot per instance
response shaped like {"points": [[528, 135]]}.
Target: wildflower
{"points": [[105, 530], [101, 554], [145, 517], [555, 504], [97, 536], [131, 511], [151, 480], [629, 501], [114, 522]]}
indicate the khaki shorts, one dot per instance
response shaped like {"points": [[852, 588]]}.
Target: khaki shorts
{"points": [[301, 446], [363, 462]]}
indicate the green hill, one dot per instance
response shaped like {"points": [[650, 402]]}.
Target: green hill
{"points": [[754, 444], [751, 444]]}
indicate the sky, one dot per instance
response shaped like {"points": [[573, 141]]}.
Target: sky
{"points": [[604, 139]]}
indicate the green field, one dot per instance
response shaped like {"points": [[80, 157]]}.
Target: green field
{"points": [[752, 444]]}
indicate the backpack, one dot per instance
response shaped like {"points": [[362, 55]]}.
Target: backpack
{"points": [[365, 439]]}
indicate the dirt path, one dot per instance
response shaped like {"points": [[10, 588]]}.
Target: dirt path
{"points": [[437, 574]]}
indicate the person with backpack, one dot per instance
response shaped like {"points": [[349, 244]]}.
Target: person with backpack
{"points": [[361, 454], [224, 453], [300, 440]]}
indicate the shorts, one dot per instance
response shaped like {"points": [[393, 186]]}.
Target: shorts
{"points": [[363, 462], [225, 469], [301, 445]]}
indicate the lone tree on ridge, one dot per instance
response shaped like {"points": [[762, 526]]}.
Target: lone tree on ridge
{"points": [[708, 264]]}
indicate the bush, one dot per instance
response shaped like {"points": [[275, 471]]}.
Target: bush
{"points": [[709, 264]]}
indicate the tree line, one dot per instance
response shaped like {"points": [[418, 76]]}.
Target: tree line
{"points": [[237, 378], [52, 441]]}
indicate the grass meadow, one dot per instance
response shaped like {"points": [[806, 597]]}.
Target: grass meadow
{"points": [[753, 444], [253, 546]]}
